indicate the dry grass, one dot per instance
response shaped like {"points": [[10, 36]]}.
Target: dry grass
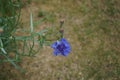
{"points": [[90, 57]]}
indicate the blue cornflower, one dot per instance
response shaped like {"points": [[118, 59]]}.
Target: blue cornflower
{"points": [[61, 47]]}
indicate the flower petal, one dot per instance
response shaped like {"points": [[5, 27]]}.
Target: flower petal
{"points": [[61, 47], [54, 45], [55, 52], [65, 42]]}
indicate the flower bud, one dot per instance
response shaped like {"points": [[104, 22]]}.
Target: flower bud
{"points": [[61, 22], [61, 31]]}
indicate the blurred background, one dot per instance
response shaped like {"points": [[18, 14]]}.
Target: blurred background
{"points": [[92, 27]]}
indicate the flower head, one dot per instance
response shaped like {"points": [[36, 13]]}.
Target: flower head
{"points": [[61, 47]]}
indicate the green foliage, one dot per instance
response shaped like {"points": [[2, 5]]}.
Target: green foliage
{"points": [[9, 19], [13, 47]]}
